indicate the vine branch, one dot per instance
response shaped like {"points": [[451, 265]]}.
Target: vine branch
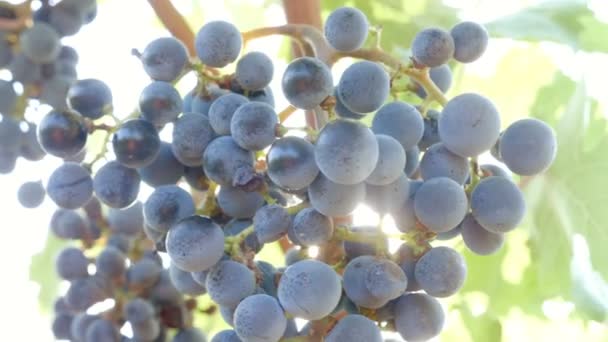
{"points": [[174, 22]]}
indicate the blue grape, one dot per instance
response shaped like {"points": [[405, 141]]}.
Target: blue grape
{"points": [[441, 271], [346, 29], [192, 133], [450, 234], [291, 163], [309, 289], [254, 71], [218, 43], [440, 204], [115, 185], [184, 283], [119, 242], [40, 43], [229, 282], [294, 255], [372, 282], [494, 170], [80, 324], [431, 130], [222, 159], [110, 263], [67, 224], [82, 293], [166, 206], [344, 112], [412, 161], [407, 258], [8, 161], [138, 310], [160, 103], [226, 336], [102, 330], [54, 92], [68, 54], [237, 203], [470, 41], [271, 222], [478, 239], [306, 82], [136, 143], [418, 317], [70, 186], [24, 70], [72, 264], [441, 76], [387, 198], [469, 125], [391, 161], [311, 227], [497, 204], [163, 292], [333, 199], [164, 59], [355, 328], [201, 103], [346, 151], [128, 221], [9, 133], [29, 147], [8, 98], [528, 147], [65, 20], [31, 194], [253, 126], [143, 274], [195, 244], [61, 326], [189, 335], [432, 47], [363, 87], [401, 121], [6, 53], [438, 161], [62, 134], [164, 170], [90, 97], [222, 110], [259, 318]]}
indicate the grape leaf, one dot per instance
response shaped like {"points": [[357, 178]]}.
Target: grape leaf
{"points": [[568, 22], [42, 271]]}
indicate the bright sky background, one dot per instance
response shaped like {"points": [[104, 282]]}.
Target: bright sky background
{"points": [[104, 48]]}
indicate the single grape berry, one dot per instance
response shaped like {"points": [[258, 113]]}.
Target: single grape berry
{"points": [[160, 103], [469, 125], [307, 82], [470, 41], [346, 151], [136, 143], [253, 126], [291, 163], [478, 239], [62, 134], [346, 29], [218, 43], [40, 43], [223, 157], [418, 317], [363, 87], [116, 185], [432, 47], [441, 271], [259, 318], [497, 204], [401, 121], [90, 97], [440, 204], [222, 110], [355, 328], [254, 71], [192, 133], [391, 161], [333, 199], [70, 186], [438, 161], [31, 194], [164, 59], [528, 147]]}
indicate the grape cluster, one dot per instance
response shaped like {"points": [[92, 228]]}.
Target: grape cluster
{"points": [[251, 185]]}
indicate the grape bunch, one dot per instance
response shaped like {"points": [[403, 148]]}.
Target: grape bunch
{"points": [[234, 178]]}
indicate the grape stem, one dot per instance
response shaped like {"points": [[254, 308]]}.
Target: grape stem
{"points": [[297, 208], [23, 12], [286, 113], [174, 22], [209, 205], [233, 243], [475, 175], [312, 35]]}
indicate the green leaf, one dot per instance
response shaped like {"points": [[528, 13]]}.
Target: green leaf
{"points": [[590, 290], [484, 327], [567, 22], [42, 271]]}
